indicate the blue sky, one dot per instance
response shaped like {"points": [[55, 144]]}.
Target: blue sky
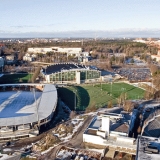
{"points": [[22, 17]]}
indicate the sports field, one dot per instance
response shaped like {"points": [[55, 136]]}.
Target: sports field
{"points": [[98, 94], [15, 78]]}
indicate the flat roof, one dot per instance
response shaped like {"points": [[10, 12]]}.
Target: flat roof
{"points": [[28, 113], [63, 67], [143, 142], [95, 124], [118, 126]]}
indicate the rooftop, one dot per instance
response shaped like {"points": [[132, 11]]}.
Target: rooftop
{"points": [[147, 148], [152, 122], [59, 67], [22, 110], [118, 125]]}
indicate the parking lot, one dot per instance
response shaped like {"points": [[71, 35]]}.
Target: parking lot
{"points": [[135, 74]]}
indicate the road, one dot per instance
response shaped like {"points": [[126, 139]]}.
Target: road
{"points": [[75, 142]]}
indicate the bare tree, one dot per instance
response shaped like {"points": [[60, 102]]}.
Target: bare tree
{"points": [[35, 75], [153, 68], [129, 106], [122, 98], [148, 95], [91, 107], [110, 105], [72, 114]]}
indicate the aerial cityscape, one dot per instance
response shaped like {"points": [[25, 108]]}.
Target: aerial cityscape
{"points": [[80, 80]]}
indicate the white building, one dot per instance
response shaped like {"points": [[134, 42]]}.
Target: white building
{"points": [[29, 57], [78, 53], [110, 129], [156, 57], [39, 50], [140, 40], [119, 54], [69, 51]]}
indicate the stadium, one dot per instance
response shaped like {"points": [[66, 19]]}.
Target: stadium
{"points": [[24, 108], [70, 73]]}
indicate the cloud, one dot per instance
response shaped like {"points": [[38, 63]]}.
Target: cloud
{"points": [[124, 32], [37, 26], [54, 24], [23, 26]]}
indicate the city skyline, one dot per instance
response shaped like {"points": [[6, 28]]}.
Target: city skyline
{"points": [[73, 18]]}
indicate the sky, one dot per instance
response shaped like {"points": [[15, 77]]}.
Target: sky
{"points": [[100, 18]]}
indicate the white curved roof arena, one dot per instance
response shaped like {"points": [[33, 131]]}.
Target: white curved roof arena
{"points": [[20, 107]]}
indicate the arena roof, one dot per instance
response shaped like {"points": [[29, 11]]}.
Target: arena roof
{"points": [[45, 105], [62, 66]]}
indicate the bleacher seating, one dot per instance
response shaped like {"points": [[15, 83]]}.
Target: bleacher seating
{"points": [[61, 66], [153, 128]]}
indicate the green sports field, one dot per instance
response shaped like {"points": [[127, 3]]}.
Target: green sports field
{"points": [[15, 78], [98, 94]]}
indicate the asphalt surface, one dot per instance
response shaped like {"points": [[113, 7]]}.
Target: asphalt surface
{"points": [[75, 142]]}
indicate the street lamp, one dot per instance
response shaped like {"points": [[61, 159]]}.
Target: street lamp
{"points": [[111, 86], [36, 106], [101, 83], [75, 100]]}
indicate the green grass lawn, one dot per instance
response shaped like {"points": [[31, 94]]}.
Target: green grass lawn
{"points": [[98, 94], [15, 78]]}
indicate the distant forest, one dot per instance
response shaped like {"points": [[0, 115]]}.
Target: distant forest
{"points": [[99, 46]]}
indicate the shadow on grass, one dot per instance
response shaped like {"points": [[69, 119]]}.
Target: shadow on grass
{"points": [[83, 98], [68, 97], [14, 78]]}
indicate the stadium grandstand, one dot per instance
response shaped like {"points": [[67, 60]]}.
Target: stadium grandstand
{"points": [[70, 73], [151, 125], [24, 108]]}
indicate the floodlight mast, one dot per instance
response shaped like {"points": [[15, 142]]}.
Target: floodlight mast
{"points": [[75, 100], [36, 106]]}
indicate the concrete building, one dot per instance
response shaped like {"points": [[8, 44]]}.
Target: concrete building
{"points": [[78, 53], [110, 129], [156, 57], [69, 51], [29, 57], [39, 50], [140, 40], [11, 58], [84, 59], [119, 54], [148, 148]]}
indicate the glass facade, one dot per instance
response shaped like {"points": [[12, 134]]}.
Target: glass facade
{"points": [[71, 75]]}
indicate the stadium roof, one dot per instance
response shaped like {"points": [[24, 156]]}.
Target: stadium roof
{"points": [[59, 67], [45, 108]]}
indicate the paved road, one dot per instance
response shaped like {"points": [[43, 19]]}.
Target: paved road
{"points": [[75, 142]]}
